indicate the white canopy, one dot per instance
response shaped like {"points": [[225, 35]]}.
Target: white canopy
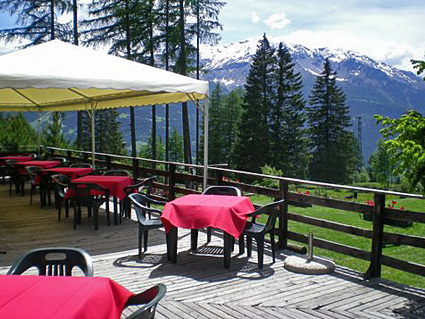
{"points": [[59, 76]]}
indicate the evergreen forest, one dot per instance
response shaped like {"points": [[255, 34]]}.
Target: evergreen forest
{"points": [[267, 126]]}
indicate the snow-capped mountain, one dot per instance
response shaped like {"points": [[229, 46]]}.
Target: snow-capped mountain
{"points": [[371, 87]]}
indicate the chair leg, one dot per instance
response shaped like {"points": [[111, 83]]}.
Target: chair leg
{"points": [[260, 252], [139, 246], [66, 208], [209, 234], [59, 211], [96, 218], [145, 240], [241, 245], [273, 246], [249, 245]]}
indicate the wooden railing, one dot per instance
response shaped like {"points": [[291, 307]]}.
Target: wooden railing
{"points": [[178, 178]]}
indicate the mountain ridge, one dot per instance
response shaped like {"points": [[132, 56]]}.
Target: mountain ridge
{"points": [[371, 87]]}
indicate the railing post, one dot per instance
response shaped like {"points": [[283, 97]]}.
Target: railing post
{"points": [[218, 177], [136, 171], [69, 155], [171, 182], [283, 217], [85, 157], [108, 162], [377, 237]]}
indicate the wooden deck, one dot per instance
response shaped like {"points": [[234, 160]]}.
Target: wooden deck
{"points": [[198, 285]]}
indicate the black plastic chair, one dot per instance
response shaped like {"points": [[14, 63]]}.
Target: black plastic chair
{"points": [[149, 300], [89, 195], [82, 165], [144, 212], [142, 187], [258, 231], [54, 261], [46, 187], [34, 181], [220, 190], [61, 183], [117, 172], [97, 171], [61, 159], [15, 177]]}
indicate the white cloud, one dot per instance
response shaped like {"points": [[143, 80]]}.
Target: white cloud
{"points": [[255, 18], [277, 21]]}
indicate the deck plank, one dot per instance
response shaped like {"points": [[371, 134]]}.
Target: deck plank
{"points": [[198, 286]]}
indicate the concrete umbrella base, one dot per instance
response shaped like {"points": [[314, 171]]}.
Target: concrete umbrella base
{"points": [[315, 266]]}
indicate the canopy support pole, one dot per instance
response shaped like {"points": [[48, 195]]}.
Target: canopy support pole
{"points": [[205, 180], [92, 117]]}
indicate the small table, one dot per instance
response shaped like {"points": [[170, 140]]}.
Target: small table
{"points": [[42, 164], [17, 158], [48, 297], [228, 213], [115, 185], [71, 172]]}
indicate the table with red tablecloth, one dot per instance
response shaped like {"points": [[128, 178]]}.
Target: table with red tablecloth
{"points": [[50, 297], [228, 213], [71, 172], [41, 164], [115, 185], [17, 158]]}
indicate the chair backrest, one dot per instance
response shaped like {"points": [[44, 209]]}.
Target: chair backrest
{"points": [[82, 165], [54, 261], [63, 160], [222, 190], [146, 183], [32, 172], [61, 183], [272, 211], [117, 172], [97, 171], [142, 206], [84, 193], [149, 299]]}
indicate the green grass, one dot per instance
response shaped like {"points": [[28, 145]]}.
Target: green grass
{"points": [[402, 252]]}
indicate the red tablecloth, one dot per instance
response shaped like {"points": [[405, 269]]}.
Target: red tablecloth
{"points": [[42, 164], [16, 158], [46, 297], [199, 211], [115, 184], [72, 172]]}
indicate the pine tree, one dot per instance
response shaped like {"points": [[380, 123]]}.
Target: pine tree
{"points": [[231, 117], [16, 133], [252, 145], [329, 120], [176, 146], [287, 117], [108, 136], [36, 20], [53, 131], [215, 127]]}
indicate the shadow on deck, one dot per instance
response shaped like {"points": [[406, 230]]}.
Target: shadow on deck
{"points": [[198, 285]]}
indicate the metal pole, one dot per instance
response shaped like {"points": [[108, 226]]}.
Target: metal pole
{"points": [[207, 100], [91, 113], [310, 247]]}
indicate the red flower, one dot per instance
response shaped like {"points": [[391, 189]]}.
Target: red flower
{"points": [[402, 208], [307, 193], [393, 202]]}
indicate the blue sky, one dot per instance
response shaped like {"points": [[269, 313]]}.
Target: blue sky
{"points": [[386, 30]]}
